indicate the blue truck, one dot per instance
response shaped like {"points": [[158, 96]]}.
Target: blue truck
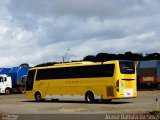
{"points": [[17, 78], [4, 71]]}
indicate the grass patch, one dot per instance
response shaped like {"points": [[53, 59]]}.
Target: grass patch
{"points": [[156, 113]]}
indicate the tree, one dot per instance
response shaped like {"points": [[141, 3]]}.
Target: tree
{"points": [[24, 65], [89, 58], [152, 56], [133, 56]]}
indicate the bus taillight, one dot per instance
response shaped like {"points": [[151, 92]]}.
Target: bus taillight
{"points": [[117, 85]]}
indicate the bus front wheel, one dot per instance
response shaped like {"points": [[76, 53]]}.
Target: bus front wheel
{"points": [[38, 97], [89, 97]]}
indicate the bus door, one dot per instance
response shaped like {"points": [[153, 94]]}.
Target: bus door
{"points": [[41, 84], [30, 80]]}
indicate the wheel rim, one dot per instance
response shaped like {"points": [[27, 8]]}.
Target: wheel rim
{"points": [[90, 97], [38, 97]]}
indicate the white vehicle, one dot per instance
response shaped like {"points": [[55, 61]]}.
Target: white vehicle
{"points": [[5, 84]]}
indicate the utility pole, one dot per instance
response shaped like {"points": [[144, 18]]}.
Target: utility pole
{"points": [[63, 57]]}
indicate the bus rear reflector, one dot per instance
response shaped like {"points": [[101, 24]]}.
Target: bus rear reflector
{"points": [[117, 85]]}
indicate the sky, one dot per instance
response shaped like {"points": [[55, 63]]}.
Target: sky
{"points": [[39, 31]]}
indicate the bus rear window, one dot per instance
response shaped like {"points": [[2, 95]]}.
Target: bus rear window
{"points": [[127, 67]]}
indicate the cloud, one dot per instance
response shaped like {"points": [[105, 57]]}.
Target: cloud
{"points": [[37, 31], [83, 8]]}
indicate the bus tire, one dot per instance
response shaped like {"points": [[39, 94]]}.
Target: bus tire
{"points": [[89, 97], [54, 100], [7, 91], [38, 97], [107, 100]]}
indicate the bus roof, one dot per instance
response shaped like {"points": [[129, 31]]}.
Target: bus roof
{"points": [[75, 63], [71, 64]]}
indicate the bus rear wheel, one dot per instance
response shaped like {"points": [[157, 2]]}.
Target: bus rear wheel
{"points": [[38, 97], [89, 97]]}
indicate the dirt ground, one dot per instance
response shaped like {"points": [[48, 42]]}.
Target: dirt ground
{"points": [[18, 104]]}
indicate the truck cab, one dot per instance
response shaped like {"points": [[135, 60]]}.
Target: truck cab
{"points": [[5, 84]]}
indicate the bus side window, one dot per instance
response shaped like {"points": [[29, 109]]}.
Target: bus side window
{"points": [[108, 70]]}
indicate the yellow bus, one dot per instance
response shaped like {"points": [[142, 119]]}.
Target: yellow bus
{"points": [[89, 80]]}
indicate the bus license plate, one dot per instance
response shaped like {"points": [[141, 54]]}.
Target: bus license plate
{"points": [[128, 93]]}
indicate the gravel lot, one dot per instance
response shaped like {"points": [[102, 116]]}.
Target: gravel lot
{"points": [[18, 104]]}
